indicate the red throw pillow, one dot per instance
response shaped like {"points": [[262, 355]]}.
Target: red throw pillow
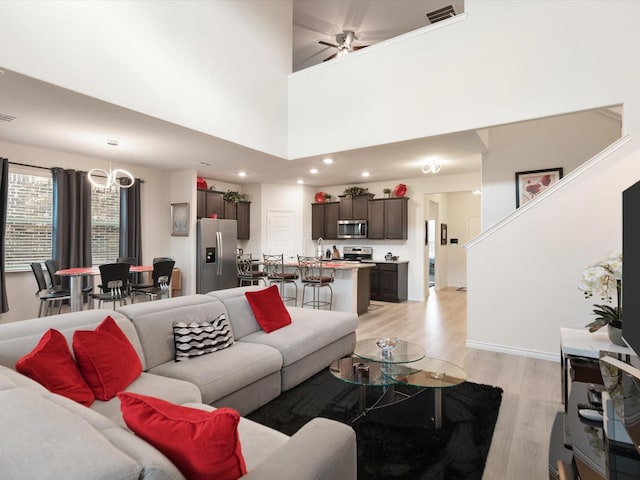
{"points": [[203, 445], [50, 364], [107, 360], [268, 308]]}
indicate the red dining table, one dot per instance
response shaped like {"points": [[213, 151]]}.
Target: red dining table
{"points": [[75, 280]]}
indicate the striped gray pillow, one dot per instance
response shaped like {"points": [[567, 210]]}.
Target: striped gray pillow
{"points": [[199, 338]]}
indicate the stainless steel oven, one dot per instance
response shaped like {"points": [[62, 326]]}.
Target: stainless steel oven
{"points": [[352, 229]]}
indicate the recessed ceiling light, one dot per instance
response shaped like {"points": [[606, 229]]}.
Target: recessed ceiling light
{"points": [[313, 171], [365, 174], [300, 181], [328, 160], [242, 173]]}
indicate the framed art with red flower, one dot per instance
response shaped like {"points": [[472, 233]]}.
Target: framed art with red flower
{"points": [[531, 184]]}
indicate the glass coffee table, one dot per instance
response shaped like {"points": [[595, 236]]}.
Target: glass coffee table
{"points": [[406, 364]]}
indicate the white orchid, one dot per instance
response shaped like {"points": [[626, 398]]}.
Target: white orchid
{"points": [[604, 279]]}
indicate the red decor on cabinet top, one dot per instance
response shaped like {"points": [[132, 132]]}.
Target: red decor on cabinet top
{"points": [[400, 190], [201, 183], [320, 197]]}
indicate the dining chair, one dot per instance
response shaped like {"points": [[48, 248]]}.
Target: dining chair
{"points": [[47, 296], [52, 267], [316, 277], [247, 273], [114, 282], [161, 281], [273, 267]]}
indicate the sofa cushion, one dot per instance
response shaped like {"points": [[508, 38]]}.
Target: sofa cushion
{"points": [[169, 389], [106, 358], [243, 321], [203, 445], [154, 322], [309, 331], [268, 308], [199, 338], [41, 440], [50, 363], [19, 338], [225, 371]]}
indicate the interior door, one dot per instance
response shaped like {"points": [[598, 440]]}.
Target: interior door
{"points": [[281, 234]]}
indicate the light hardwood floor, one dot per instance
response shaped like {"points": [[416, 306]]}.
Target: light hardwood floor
{"points": [[519, 449]]}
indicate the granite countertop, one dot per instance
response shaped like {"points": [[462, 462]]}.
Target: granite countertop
{"points": [[386, 261]]}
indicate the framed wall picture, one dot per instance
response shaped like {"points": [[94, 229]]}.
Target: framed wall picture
{"points": [[443, 234], [532, 183], [180, 219]]}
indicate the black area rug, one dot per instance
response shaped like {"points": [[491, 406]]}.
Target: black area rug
{"points": [[387, 449]]}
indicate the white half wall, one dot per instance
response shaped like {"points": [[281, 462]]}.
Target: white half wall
{"points": [[501, 62], [218, 67]]}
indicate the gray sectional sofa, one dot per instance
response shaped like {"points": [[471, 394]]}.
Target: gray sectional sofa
{"points": [[45, 435]]}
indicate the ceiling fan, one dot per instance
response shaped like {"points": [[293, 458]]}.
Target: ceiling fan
{"points": [[344, 44]]}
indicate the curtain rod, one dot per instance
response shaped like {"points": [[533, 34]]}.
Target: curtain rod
{"points": [[42, 168]]}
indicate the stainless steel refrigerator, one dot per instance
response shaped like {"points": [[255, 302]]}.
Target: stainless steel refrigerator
{"points": [[216, 258]]}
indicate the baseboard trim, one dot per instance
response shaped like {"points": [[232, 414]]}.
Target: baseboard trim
{"points": [[523, 352]]}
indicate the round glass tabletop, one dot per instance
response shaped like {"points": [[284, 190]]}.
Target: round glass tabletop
{"points": [[353, 370], [402, 352], [427, 373]]}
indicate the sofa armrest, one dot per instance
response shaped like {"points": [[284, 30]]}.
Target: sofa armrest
{"points": [[322, 449]]}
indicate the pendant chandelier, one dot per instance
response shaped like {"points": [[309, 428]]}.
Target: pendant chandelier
{"points": [[100, 178]]}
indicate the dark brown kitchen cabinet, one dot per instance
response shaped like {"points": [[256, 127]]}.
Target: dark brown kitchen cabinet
{"points": [[201, 210], [324, 220], [389, 282], [354, 208], [209, 203], [388, 218], [239, 211]]}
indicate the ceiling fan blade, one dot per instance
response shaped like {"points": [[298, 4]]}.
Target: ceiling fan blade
{"points": [[360, 46], [329, 58], [322, 42]]}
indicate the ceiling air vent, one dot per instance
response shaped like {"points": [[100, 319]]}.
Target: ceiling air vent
{"points": [[6, 118], [441, 14]]}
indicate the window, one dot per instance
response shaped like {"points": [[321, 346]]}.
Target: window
{"points": [[29, 220], [105, 224], [29, 225]]}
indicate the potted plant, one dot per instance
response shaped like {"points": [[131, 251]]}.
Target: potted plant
{"points": [[327, 196], [355, 191], [387, 192], [604, 278], [232, 196]]}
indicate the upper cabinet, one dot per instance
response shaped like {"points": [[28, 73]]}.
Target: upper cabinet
{"points": [[388, 218], [239, 211], [354, 208], [211, 202], [324, 220]]}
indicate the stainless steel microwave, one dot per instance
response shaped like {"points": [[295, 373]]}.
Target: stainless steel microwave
{"points": [[352, 229]]}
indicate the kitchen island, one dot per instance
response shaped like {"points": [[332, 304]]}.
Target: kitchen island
{"points": [[351, 285]]}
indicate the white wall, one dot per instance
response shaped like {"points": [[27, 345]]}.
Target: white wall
{"points": [[503, 62], [183, 249], [565, 141], [218, 67], [155, 207], [523, 273]]}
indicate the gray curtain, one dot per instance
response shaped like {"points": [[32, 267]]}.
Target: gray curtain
{"points": [[4, 196], [71, 237], [130, 221]]}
